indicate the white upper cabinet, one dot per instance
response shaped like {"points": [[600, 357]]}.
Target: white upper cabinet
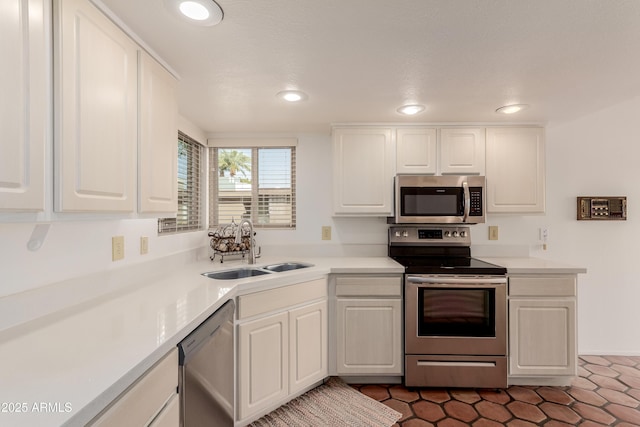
{"points": [[462, 151], [515, 170], [158, 188], [24, 106], [95, 94], [363, 170], [416, 150]]}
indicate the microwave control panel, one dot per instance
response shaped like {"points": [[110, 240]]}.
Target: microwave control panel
{"points": [[602, 208]]}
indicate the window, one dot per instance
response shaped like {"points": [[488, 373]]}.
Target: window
{"points": [[190, 156], [253, 183]]}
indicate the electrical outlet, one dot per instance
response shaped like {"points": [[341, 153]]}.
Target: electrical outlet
{"points": [[144, 245], [326, 232], [493, 232], [117, 248]]}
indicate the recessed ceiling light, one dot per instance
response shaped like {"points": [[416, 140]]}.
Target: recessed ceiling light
{"points": [[410, 110], [510, 109], [198, 12], [292, 95]]}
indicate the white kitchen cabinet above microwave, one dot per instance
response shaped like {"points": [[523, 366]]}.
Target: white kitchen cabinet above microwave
{"points": [[26, 99], [440, 151]]}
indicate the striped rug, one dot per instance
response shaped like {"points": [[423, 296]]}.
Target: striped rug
{"points": [[333, 403]]}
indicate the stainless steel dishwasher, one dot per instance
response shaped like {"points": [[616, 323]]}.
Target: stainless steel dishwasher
{"points": [[207, 370]]}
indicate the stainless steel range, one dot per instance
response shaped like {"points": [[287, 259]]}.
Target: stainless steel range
{"points": [[455, 309]]}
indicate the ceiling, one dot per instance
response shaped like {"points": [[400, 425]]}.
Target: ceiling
{"points": [[359, 60]]}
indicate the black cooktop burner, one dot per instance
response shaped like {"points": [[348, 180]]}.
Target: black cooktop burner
{"points": [[448, 265]]}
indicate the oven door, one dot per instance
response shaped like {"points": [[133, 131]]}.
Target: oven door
{"points": [[455, 315]]}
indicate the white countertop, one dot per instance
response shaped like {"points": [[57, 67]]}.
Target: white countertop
{"points": [[64, 368], [522, 265]]}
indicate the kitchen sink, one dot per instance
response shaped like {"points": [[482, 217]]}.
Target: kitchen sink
{"points": [[286, 266], [236, 273]]}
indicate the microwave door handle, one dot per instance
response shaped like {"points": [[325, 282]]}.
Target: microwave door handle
{"points": [[467, 201]]}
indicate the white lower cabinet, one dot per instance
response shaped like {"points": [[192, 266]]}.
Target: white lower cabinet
{"points": [[282, 346], [151, 401], [542, 329], [368, 329]]}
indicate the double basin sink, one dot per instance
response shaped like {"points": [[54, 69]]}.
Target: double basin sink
{"points": [[244, 272]]}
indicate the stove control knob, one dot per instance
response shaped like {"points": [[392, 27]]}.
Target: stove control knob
{"points": [[454, 234], [463, 234], [447, 234], [405, 233], [397, 234]]}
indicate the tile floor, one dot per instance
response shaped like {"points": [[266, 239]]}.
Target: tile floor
{"points": [[606, 393]]}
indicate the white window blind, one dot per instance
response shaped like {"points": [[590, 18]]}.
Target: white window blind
{"points": [[190, 156], [257, 183]]}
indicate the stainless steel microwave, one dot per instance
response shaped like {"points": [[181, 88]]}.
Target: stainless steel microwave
{"points": [[428, 199]]}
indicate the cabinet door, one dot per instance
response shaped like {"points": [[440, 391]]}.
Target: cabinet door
{"points": [[542, 336], [515, 170], [307, 345], [24, 107], [158, 188], [263, 363], [462, 151], [416, 150], [369, 336], [363, 169], [96, 111]]}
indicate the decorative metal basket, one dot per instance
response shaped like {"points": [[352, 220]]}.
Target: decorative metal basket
{"points": [[223, 241]]}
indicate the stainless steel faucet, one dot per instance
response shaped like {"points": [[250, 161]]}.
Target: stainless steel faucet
{"points": [[252, 252]]}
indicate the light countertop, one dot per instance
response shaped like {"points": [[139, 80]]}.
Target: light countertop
{"points": [[525, 265], [77, 360]]}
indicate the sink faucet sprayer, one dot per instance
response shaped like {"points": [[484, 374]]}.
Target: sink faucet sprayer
{"points": [[252, 252]]}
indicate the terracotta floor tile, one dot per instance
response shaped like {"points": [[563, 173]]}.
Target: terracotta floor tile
{"points": [[417, 422], [376, 392], [635, 393], [631, 381], [464, 395], [526, 411], [556, 423], [460, 410], [451, 422], [622, 360], [520, 423], [435, 395], [591, 424], [554, 394], [524, 395], [483, 422], [560, 412], [428, 410], [615, 396], [592, 413], [587, 396], [605, 371], [493, 411], [584, 383], [624, 413], [596, 360], [628, 370], [401, 393], [496, 396], [606, 382]]}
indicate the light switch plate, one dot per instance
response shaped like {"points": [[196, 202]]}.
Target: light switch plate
{"points": [[493, 232], [144, 245], [326, 232], [117, 248]]}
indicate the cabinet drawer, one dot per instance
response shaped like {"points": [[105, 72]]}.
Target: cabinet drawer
{"points": [[368, 286], [543, 286], [280, 298], [138, 405]]}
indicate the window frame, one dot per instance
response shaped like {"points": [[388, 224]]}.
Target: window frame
{"points": [[171, 225], [213, 182]]}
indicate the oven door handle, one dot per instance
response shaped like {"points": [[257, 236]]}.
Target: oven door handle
{"points": [[458, 280]]}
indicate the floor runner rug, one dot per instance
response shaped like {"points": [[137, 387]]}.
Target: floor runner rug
{"points": [[333, 403]]}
